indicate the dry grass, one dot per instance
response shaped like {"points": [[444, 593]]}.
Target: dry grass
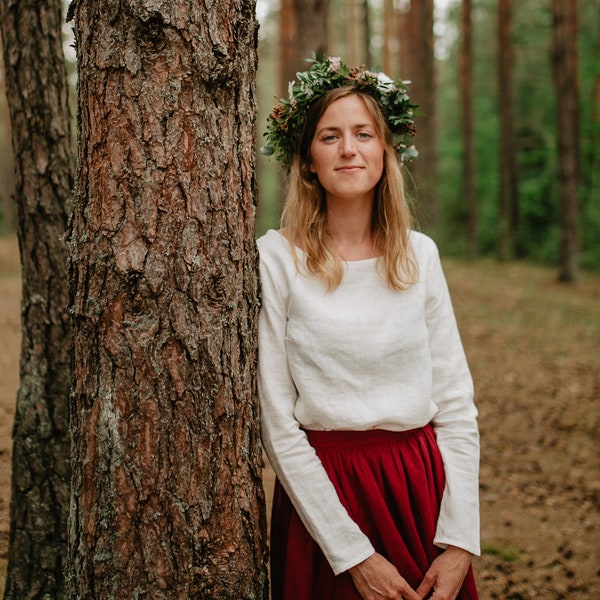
{"points": [[533, 346]]}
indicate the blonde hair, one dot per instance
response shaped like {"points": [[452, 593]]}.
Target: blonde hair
{"points": [[304, 216]]}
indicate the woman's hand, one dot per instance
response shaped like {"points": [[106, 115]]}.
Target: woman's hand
{"points": [[377, 579], [446, 575]]}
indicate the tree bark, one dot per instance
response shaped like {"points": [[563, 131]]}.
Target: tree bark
{"points": [[390, 37], [366, 33], [288, 33], [167, 496], [592, 176], [424, 92], [7, 168], [352, 35], [466, 95], [303, 30], [565, 70], [509, 193], [38, 103]]}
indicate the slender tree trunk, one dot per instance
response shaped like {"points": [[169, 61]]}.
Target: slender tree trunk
{"points": [[565, 69], [352, 37], [288, 33], [304, 24], [8, 208], [424, 93], [389, 36], [167, 496], [508, 199], [466, 94], [590, 176], [38, 101], [366, 33]]}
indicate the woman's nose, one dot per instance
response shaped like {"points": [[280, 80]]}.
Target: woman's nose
{"points": [[347, 145]]}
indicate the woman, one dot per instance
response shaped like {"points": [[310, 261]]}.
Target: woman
{"points": [[367, 402]]}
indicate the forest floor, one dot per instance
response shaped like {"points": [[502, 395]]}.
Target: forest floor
{"points": [[534, 350]]}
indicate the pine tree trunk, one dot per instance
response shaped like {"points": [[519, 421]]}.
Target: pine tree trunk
{"points": [[423, 92], [592, 178], [508, 199], [38, 103], [7, 168], [565, 69], [466, 94], [352, 36], [305, 25], [366, 33], [167, 495], [288, 26], [389, 38]]}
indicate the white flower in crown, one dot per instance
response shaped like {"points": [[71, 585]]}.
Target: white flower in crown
{"points": [[306, 89], [334, 63], [385, 82], [286, 120]]}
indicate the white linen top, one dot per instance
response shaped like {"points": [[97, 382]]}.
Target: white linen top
{"points": [[363, 356]]}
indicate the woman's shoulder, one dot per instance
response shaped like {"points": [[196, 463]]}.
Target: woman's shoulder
{"points": [[422, 244], [272, 242], [275, 251]]}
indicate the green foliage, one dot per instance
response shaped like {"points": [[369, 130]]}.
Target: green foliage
{"points": [[535, 126], [286, 121]]}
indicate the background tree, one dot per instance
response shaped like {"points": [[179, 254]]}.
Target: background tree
{"points": [[390, 37], [508, 190], [565, 69], [8, 212], [353, 45], [421, 71], [167, 499], [593, 161], [366, 33], [303, 30], [466, 100], [38, 103]]}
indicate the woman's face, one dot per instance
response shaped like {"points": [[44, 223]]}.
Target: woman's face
{"points": [[346, 151]]}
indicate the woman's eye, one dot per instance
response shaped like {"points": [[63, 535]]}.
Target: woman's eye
{"points": [[364, 135], [329, 138]]}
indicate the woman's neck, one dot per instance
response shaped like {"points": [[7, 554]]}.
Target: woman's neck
{"points": [[350, 225]]}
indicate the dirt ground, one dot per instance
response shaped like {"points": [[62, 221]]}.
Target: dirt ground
{"points": [[534, 349]]}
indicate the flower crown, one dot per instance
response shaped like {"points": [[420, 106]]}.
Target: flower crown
{"points": [[286, 121]]}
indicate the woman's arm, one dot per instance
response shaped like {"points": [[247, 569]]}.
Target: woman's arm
{"points": [[455, 423], [294, 460]]}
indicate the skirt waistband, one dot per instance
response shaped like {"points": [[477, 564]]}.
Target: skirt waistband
{"points": [[370, 437]]}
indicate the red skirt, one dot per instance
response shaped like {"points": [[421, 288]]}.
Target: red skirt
{"points": [[391, 484]]}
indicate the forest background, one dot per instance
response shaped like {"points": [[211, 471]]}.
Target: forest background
{"points": [[537, 233], [534, 128], [531, 344]]}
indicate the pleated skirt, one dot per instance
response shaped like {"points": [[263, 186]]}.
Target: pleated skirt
{"points": [[391, 484]]}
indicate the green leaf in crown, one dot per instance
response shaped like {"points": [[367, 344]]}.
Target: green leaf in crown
{"points": [[285, 123]]}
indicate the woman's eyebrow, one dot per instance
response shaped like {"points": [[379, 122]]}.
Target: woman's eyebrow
{"points": [[336, 128]]}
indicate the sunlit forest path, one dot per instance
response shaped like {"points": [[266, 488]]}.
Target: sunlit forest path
{"points": [[533, 347]]}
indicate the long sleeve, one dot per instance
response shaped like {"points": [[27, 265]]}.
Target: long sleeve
{"points": [[360, 357], [298, 468], [455, 423]]}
